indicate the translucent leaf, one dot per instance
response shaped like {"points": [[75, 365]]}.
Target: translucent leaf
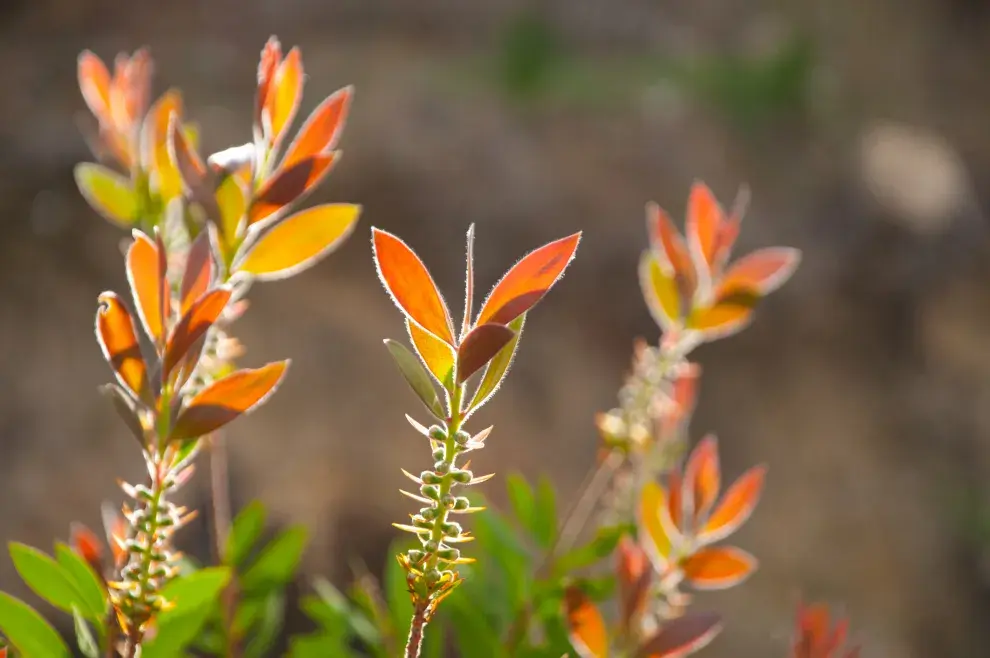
{"points": [[289, 185], [109, 193], [410, 285], [194, 596], [285, 94], [479, 347], [702, 477], [231, 201], [87, 644], [227, 399], [86, 581], [588, 634], [320, 133], [94, 82], [498, 368], [437, 355], [28, 632], [528, 281], [669, 248], [164, 173], [727, 316], [146, 271], [415, 376], [276, 565], [198, 272], [682, 636], [761, 271], [299, 241], [663, 298], [736, 506], [126, 407], [718, 568], [46, 578], [182, 153], [244, 533], [655, 529], [194, 324], [704, 221], [117, 336]]}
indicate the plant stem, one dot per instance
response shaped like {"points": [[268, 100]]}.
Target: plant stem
{"points": [[419, 621], [449, 457]]}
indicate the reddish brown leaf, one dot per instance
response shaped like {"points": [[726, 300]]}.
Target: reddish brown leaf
{"points": [[126, 408], [479, 347], [94, 82], [718, 568], [682, 636], [190, 166], [194, 325], [586, 627], [410, 285], [528, 281], [198, 271], [634, 576], [289, 184], [736, 506], [146, 275], [321, 132], [675, 497], [117, 336], [226, 399], [271, 56], [702, 477], [704, 221]]}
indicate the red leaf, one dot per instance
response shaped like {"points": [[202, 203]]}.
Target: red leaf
{"points": [[117, 336], [410, 285], [528, 281], [198, 272], [702, 477], [736, 507], [760, 272], [288, 185], [322, 129], [94, 82], [226, 399], [718, 568], [87, 545], [585, 625], [194, 325], [704, 222], [682, 636], [146, 267], [479, 347]]}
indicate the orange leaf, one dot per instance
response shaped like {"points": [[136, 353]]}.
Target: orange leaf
{"points": [[586, 627], [435, 353], [704, 221], [675, 501], [702, 477], [94, 82], [761, 272], [87, 545], [654, 524], [736, 507], [729, 315], [634, 575], [198, 272], [718, 568], [226, 399], [289, 184], [146, 275], [117, 529], [271, 55], [727, 235], [479, 347], [299, 241], [682, 636], [669, 246], [660, 292], [284, 94], [410, 285], [165, 174], [190, 166], [528, 280], [194, 324], [322, 129], [117, 336]]}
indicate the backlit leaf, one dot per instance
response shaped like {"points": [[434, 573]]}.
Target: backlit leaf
{"points": [[498, 368], [164, 172], [277, 563], [117, 336], [94, 82], [87, 545], [227, 399], [415, 376], [655, 528], [410, 285], [84, 636], [198, 272], [299, 241], [271, 56], [729, 315], [479, 347], [290, 184], [321, 132], [704, 221], [682, 636], [669, 247], [675, 497], [28, 631], [468, 283], [735, 507], [634, 576], [585, 625], [109, 193], [660, 292], [146, 269], [46, 577], [194, 595], [761, 271], [285, 93], [718, 568], [194, 324], [183, 155], [437, 355], [232, 204], [528, 281], [702, 477], [244, 532], [86, 581]]}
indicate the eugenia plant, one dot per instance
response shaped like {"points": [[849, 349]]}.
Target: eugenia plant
{"points": [[200, 233]]}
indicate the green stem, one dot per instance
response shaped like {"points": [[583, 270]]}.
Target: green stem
{"points": [[450, 459]]}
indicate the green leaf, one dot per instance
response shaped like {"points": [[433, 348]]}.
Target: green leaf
{"points": [[522, 499], [474, 633], [415, 374], [318, 645], [600, 547], [109, 193], [397, 594], [267, 629], [244, 533], [498, 368], [28, 632], [545, 513], [44, 575], [356, 621], [277, 563], [504, 550], [86, 581], [84, 636], [194, 596]]}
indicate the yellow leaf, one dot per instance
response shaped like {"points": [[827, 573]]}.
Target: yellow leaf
{"points": [[299, 241], [108, 192], [233, 204]]}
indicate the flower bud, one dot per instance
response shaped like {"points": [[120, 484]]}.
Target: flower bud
{"points": [[448, 554], [461, 477], [430, 491], [429, 477], [438, 433], [441, 467]]}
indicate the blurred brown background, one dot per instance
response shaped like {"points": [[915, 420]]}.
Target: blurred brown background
{"points": [[862, 127]]}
